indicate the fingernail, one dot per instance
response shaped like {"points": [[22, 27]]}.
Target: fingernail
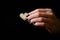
{"points": [[33, 23], [26, 19], [27, 15]]}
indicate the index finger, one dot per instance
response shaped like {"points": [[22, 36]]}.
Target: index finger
{"points": [[37, 10]]}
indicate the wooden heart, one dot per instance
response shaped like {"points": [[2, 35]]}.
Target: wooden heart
{"points": [[23, 15]]}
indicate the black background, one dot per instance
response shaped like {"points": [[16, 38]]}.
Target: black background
{"points": [[12, 9]]}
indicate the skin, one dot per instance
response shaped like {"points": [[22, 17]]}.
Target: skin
{"points": [[45, 18]]}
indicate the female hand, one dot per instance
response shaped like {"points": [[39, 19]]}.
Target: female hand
{"points": [[45, 18]]}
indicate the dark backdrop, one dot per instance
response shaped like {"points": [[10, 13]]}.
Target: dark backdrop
{"points": [[12, 10]]}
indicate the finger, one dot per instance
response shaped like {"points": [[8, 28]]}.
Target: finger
{"points": [[37, 10], [33, 16], [39, 19], [39, 24], [40, 14], [48, 20], [45, 25], [43, 14], [49, 12], [47, 15], [48, 9], [50, 28], [34, 11]]}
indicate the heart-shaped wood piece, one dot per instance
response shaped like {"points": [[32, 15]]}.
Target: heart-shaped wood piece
{"points": [[23, 15]]}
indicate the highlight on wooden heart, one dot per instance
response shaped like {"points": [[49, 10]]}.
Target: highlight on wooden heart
{"points": [[23, 15]]}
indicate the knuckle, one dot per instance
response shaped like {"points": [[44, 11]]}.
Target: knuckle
{"points": [[42, 18], [31, 20], [43, 24], [51, 14], [48, 9], [38, 10], [37, 14]]}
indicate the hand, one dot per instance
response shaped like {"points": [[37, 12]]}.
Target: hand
{"points": [[45, 18]]}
